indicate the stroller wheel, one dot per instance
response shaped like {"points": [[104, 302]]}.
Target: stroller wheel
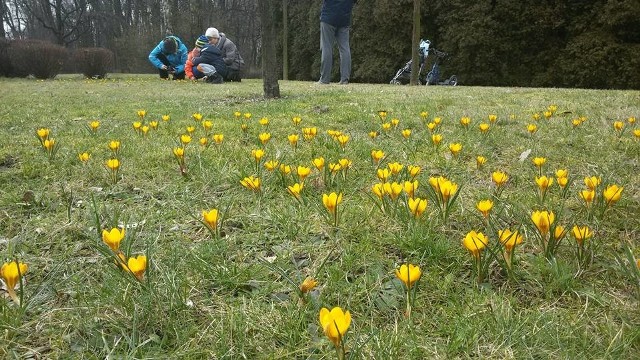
{"points": [[453, 80], [395, 82]]}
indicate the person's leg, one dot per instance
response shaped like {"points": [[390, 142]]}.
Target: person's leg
{"points": [[342, 36], [164, 74], [327, 38], [233, 75], [211, 73], [206, 69], [179, 76]]}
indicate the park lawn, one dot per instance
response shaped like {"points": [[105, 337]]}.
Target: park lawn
{"points": [[233, 292]]}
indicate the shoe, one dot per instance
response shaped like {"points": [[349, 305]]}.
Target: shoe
{"points": [[344, 82], [320, 82]]}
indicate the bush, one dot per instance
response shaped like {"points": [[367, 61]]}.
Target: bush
{"points": [[6, 65], [38, 58], [93, 62]]}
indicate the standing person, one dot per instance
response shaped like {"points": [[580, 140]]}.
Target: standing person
{"points": [[335, 23], [232, 58], [188, 66], [169, 56]]}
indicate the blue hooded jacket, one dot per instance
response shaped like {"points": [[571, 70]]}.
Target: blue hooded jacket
{"points": [[336, 12], [177, 59]]}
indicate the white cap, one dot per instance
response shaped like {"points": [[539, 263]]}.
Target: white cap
{"points": [[212, 33]]}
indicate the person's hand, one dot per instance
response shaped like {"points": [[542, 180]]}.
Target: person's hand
{"points": [[164, 67]]}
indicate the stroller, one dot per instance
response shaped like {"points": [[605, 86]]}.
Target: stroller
{"points": [[433, 76]]}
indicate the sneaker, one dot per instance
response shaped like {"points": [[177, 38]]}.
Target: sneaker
{"points": [[344, 82], [320, 82]]}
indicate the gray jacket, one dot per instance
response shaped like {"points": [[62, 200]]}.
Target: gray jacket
{"points": [[230, 53]]}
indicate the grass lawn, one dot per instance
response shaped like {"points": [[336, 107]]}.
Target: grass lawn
{"points": [[231, 290]]}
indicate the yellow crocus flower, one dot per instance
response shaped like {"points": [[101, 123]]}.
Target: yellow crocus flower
{"points": [[509, 239], [484, 206], [612, 194], [113, 164], [295, 190], [218, 138], [543, 220], [417, 206], [408, 274], [271, 165], [331, 202], [455, 148], [378, 190], [539, 161], [210, 218], [393, 189], [293, 140], [475, 242], [499, 178], [137, 265], [303, 172], [377, 155], [84, 157], [318, 163], [251, 183], [410, 188], [264, 138], [395, 168], [543, 182], [308, 284], [113, 238], [581, 233], [257, 154], [335, 324], [11, 273], [592, 182]]}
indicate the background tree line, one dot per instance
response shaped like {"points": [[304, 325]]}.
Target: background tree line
{"points": [[571, 43]]}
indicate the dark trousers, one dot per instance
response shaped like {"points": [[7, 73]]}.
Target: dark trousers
{"points": [[164, 74], [233, 75]]}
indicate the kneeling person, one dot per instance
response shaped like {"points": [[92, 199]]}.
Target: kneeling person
{"points": [[210, 65], [230, 54], [169, 56]]}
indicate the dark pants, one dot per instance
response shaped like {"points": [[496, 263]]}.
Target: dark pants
{"points": [[233, 75], [164, 74]]}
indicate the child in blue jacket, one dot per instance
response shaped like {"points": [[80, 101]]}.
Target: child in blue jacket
{"points": [[169, 56]]}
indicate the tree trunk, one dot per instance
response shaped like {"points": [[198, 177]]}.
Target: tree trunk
{"points": [[415, 40], [285, 40], [269, 59]]}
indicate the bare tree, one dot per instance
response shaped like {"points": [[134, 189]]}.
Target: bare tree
{"points": [[3, 14], [67, 20], [13, 18], [269, 60]]}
